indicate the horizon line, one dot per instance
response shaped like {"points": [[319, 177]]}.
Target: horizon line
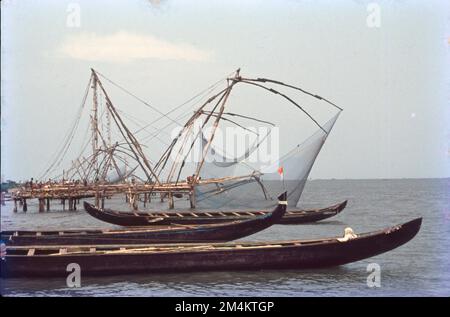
{"points": [[381, 178]]}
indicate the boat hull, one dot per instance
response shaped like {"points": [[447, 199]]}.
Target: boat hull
{"points": [[129, 219], [224, 257], [172, 234]]}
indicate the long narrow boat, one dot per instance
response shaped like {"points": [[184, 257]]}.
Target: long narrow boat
{"points": [[129, 219], [159, 234], [96, 260]]}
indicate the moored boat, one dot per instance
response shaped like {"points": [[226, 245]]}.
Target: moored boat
{"points": [[96, 260], [129, 219], [159, 234]]}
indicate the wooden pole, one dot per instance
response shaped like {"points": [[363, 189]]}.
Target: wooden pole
{"points": [[25, 206], [63, 202], [134, 201], [214, 128], [166, 155], [289, 99], [145, 200], [192, 198], [48, 204], [97, 199], [94, 122], [171, 202], [41, 204], [134, 146], [15, 205]]}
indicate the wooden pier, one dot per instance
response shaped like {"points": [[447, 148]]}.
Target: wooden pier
{"points": [[72, 193]]}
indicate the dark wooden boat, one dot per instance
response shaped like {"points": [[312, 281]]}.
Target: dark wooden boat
{"points": [[159, 234], [129, 219], [110, 260]]}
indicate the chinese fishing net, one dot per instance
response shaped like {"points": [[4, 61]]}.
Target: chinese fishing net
{"points": [[246, 186]]}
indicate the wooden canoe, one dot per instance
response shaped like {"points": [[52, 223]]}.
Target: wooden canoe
{"points": [[96, 260], [159, 234], [130, 219]]}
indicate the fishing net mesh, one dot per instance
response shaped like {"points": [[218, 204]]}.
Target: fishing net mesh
{"points": [[253, 187]]}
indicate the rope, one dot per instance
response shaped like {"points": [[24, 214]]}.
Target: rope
{"points": [[207, 90], [69, 136], [294, 87], [134, 96], [289, 99]]}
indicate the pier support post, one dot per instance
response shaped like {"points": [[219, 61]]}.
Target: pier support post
{"points": [[48, 204], [145, 200], [25, 206], [103, 202], [135, 200], [171, 202], [70, 204], [192, 199], [41, 204], [15, 205], [63, 202]]}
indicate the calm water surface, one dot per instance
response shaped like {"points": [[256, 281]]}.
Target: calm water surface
{"points": [[420, 267]]}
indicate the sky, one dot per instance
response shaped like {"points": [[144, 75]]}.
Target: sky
{"points": [[386, 63]]}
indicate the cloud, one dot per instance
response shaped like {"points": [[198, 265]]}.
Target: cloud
{"points": [[125, 47]]}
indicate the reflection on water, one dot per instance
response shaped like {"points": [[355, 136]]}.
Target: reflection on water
{"points": [[417, 268]]}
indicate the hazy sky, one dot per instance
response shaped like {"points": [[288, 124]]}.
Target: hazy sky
{"points": [[387, 63]]}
